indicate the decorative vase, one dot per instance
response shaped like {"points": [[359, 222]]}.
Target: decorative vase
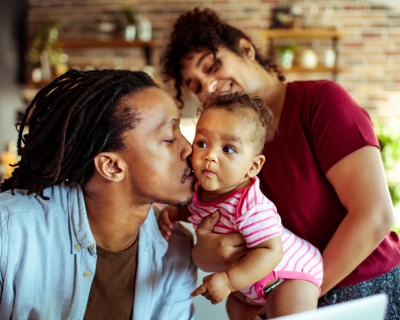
{"points": [[145, 32], [308, 59], [130, 32], [329, 58]]}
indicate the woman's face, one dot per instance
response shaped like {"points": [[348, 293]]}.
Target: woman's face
{"points": [[226, 72]]}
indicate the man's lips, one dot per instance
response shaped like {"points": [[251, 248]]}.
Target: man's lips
{"points": [[188, 173]]}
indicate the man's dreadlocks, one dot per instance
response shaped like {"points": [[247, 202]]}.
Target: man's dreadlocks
{"points": [[70, 121]]}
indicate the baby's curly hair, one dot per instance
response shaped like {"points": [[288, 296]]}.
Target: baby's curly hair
{"points": [[198, 30], [252, 109]]}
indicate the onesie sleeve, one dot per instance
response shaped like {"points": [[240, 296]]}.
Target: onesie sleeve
{"points": [[258, 223], [335, 124]]}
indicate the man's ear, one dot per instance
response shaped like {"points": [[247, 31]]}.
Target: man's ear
{"points": [[109, 166], [247, 49], [256, 166]]}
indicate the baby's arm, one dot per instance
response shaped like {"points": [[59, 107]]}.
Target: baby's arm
{"points": [[256, 265], [168, 216]]}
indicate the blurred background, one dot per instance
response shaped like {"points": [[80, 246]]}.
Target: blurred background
{"points": [[353, 42]]}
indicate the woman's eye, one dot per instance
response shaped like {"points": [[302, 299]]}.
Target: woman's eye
{"points": [[228, 150], [198, 89], [201, 144], [215, 66]]}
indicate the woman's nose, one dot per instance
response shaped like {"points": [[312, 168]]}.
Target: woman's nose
{"points": [[210, 86]]}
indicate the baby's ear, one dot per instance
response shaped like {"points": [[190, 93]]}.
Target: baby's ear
{"points": [[256, 166]]}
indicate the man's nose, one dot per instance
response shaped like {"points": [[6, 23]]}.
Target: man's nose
{"points": [[186, 150]]}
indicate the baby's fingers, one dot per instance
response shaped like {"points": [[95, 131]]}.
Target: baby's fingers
{"points": [[165, 231], [165, 218], [200, 290]]}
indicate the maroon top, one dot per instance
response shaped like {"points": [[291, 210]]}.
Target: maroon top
{"points": [[320, 124]]}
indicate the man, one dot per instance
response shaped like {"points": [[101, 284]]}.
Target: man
{"points": [[78, 235]]}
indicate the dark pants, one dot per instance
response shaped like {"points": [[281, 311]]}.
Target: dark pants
{"points": [[388, 283]]}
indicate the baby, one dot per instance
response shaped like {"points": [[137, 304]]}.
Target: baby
{"points": [[281, 271]]}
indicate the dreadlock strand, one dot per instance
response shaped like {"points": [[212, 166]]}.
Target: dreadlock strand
{"points": [[70, 121]]}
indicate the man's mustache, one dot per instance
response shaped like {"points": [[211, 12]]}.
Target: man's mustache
{"points": [[186, 174], [188, 170]]}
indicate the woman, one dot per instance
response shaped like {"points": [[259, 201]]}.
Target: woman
{"points": [[323, 168]]}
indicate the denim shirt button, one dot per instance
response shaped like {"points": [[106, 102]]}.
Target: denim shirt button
{"points": [[87, 274]]}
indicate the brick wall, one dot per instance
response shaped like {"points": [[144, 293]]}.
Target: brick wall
{"points": [[369, 52]]}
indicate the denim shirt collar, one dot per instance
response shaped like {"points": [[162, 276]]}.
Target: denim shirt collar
{"points": [[82, 237]]}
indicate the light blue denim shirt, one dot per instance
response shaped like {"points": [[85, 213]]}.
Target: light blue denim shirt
{"points": [[48, 260]]}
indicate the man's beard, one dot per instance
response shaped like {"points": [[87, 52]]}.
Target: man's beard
{"points": [[184, 203]]}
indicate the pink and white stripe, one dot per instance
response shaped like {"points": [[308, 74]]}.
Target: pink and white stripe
{"points": [[252, 214]]}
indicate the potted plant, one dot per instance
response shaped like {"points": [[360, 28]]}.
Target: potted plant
{"points": [[130, 23], [286, 55], [44, 51]]}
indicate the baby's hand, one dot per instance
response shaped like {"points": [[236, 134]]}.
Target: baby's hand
{"points": [[216, 287], [166, 220]]}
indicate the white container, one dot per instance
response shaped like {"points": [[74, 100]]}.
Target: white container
{"points": [[145, 29], [308, 59], [329, 58], [130, 32]]}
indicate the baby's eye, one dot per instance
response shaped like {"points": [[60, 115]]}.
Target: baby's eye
{"points": [[201, 144], [228, 149]]}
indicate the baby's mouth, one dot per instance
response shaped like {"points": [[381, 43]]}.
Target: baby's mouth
{"points": [[208, 172]]}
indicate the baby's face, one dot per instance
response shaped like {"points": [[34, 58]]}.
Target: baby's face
{"points": [[223, 150]]}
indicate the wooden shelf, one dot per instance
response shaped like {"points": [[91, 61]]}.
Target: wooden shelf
{"points": [[333, 35], [146, 46], [106, 43], [298, 33], [319, 68]]}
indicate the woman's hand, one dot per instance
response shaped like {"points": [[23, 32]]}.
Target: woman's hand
{"points": [[216, 252]]}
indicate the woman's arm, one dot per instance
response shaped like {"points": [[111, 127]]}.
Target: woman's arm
{"points": [[256, 265], [360, 183]]}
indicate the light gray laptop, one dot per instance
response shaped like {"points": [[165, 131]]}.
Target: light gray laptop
{"points": [[369, 308]]}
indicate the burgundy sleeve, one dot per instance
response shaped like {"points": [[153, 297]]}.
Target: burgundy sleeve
{"points": [[335, 124]]}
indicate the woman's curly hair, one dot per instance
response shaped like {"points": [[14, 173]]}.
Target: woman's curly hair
{"points": [[251, 109], [198, 30]]}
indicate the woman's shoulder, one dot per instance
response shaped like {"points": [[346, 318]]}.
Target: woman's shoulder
{"points": [[315, 87], [319, 96]]}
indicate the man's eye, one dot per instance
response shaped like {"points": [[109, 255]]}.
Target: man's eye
{"points": [[228, 149], [170, 141], [201, 144]]}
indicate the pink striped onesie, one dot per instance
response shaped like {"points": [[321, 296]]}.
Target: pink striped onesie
{"points": [[249, 212]]}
